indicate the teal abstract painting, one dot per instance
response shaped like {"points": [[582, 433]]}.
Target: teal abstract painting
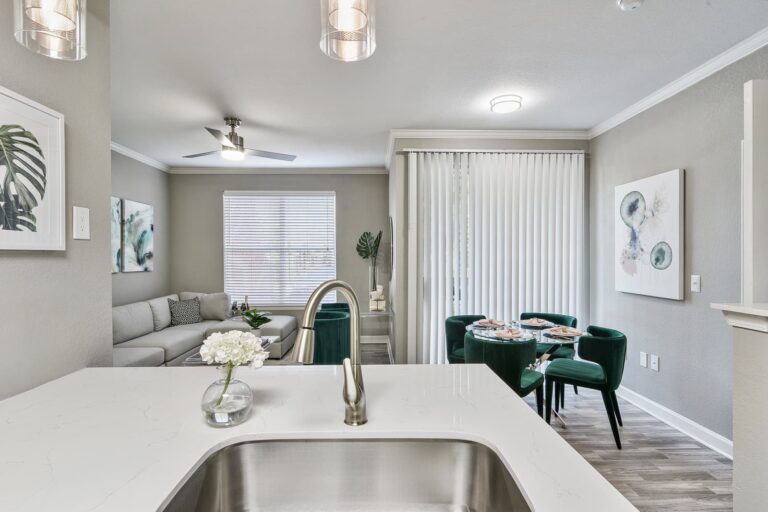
{"points": [[138, 237]]}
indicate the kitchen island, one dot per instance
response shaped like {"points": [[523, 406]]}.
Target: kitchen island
{"points": [[124, 439]]}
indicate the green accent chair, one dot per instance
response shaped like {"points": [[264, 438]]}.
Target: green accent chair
{"points": [[603, 351], [455, 329], [331, 336], [334, 306], [564, 352], [509, 360]]}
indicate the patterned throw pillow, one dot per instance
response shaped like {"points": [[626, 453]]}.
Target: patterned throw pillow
{"points": [[185, 311]]}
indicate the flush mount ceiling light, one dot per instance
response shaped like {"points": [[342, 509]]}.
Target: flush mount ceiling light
{"points": [[629, 5], [348, 29], [506, 103], [54, 28]]}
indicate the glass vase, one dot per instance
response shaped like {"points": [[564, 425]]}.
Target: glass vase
{"points": [[373, 277], [227, 402]]}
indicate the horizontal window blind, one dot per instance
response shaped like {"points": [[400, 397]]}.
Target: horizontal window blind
{"points": [[278, 246]]}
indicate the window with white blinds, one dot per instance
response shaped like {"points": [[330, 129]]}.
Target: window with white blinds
{"points": [[278, 246]]}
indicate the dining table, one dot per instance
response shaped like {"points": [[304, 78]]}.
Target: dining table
{"points": [[540, 332]]}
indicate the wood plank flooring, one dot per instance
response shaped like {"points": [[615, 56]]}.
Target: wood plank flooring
{"points": [[658, 469]]}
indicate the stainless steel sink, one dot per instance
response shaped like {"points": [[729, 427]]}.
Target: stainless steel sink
{"points": [[350, 475]]}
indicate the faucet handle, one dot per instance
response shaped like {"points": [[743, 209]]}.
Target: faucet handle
{"points": [[354, 394]]}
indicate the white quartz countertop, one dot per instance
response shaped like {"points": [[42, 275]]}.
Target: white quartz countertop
{"points": [[122, 439]]}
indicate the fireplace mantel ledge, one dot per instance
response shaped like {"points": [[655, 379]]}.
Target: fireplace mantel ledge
{"points": [[753, 317]]}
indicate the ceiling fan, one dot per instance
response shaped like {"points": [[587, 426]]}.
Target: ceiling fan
{"points": [[232, 145]]}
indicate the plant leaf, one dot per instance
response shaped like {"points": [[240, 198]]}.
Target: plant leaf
{"points": [[368, 246], [23, 187]]}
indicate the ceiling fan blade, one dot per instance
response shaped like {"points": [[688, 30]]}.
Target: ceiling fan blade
{"points": [[202, 154], [269, 154], [221, 137]]}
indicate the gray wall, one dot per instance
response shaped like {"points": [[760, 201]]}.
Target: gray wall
{"points": [[398, 209], [55, 314], [197, 222], [139, 182], [699, 130]]}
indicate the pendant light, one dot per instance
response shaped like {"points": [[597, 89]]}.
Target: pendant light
{"points": [[54, 28], [348, 29]]}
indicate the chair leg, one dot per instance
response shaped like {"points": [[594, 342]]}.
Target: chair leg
{"points": [[611, 417], [562, 396], [540, 400], [616, 408], [558, 388], [576, 389], [548, 416]]}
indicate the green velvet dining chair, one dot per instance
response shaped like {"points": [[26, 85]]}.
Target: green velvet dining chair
{"points": [[331, 336], [603, 352], [342, 306], [510, 361], [564, 352], [455, 329]]}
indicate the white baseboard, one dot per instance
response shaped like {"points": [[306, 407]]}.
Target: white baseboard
{"points": [[713, 440]]}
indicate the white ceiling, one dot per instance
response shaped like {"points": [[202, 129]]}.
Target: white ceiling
{"points": [[179, 65]]}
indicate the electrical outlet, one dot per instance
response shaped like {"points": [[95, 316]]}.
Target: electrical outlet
{"points": [[644, 359], [81, 223], [695, 284], [654, 362]]}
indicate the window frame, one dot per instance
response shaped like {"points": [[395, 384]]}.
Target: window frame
{"points": [[331, 296]]}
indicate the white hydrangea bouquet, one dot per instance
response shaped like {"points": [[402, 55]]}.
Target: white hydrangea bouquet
{"points": [[227, 401]]}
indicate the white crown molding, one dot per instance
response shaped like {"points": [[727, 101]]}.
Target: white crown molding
{"points": [[709, 68], [713, 440], [135, 155], [481, 134], [277, 171]]}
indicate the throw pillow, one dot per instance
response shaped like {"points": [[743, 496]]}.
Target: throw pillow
{"points": [[161, 313], [185, 311], [213, 306]]}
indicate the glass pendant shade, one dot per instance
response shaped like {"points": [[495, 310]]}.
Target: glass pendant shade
{"points": [[54, 28], [348, 29]]}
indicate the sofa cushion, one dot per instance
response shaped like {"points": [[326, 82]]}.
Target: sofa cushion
{"points": [[200, 327], [185, 311], [213, 306], [174, 341], [280, 326], [161, 312], [131, 321], [137, 356]]}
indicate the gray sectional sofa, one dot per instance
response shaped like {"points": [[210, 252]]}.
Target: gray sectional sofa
{"points": [[142, 333]]}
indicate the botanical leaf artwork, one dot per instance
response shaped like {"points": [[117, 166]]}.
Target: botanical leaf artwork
{"points": [[23, 173]]}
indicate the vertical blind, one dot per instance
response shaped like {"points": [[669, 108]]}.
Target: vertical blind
{"points": [[278, 246], [499, 234]]}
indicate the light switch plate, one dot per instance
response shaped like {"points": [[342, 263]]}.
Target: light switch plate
{"points": [[695, 284], [81, 223], [644, 359], [654, 362]]}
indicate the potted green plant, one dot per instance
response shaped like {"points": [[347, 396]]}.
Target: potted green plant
{"points": [[256, 319], [368, 249]]}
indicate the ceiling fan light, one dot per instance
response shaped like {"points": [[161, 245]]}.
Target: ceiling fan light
{"points": [[233, 155], [348, 30], [54, 28], [506, 104]]}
